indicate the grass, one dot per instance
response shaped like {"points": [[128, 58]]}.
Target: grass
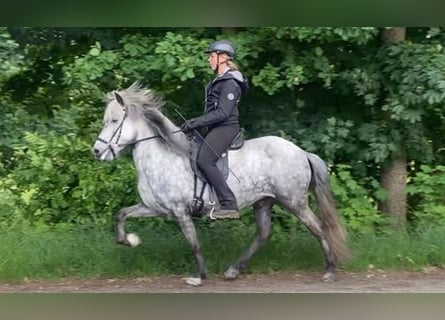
{"points": [[408, 251], [89, 252]]}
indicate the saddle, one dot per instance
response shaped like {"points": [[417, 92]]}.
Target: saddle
{"points": [[222, 164]]}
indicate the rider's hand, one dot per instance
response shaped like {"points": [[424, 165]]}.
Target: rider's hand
{"points": [[188, 126]]}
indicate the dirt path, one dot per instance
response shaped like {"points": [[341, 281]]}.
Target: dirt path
{"points": [[431, 280]]}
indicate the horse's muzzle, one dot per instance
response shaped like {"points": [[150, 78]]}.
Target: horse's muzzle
{"points": [[103, 152], [96, 152]]}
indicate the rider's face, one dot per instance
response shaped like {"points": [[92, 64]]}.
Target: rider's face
{"points": [[213, 60], [216, 60]]}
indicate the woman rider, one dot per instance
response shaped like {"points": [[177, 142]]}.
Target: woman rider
{"points": [[221, 117]]}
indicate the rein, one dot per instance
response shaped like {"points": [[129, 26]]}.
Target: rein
{"points": [[140, 140], [108, 143]]}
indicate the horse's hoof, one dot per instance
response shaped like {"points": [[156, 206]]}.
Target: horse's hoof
{"points": [[231, 274], [196, 282], [329, 277], [133, 239], [129, 240]]}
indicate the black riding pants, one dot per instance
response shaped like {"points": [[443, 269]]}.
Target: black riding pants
{"points": [[216, 143]]}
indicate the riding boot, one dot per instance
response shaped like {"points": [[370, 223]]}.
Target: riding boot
{"points": [[225, 214], [228, 210]]}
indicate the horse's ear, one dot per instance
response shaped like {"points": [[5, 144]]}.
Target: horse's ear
{"points": [[119, 98]]}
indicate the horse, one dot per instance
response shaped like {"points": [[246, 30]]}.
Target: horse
{"points": [[267, 170]]}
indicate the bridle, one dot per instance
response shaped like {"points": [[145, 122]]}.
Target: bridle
{"points": [[118, 132]]}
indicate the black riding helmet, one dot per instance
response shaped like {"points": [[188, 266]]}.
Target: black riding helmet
{"points": [[222, 46]]}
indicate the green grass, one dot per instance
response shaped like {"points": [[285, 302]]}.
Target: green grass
{"points": [[407, 251], [89, 252]]}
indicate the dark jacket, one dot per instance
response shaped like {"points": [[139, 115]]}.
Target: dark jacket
{"points": [[223, 94]]}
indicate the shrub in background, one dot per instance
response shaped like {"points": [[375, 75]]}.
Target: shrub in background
{"points": [[56, 179]]}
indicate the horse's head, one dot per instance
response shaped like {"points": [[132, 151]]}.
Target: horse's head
{"points": [[118, 131], [133, 116]]}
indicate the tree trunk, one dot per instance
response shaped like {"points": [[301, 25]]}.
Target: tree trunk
{"points": [[393, 179], [394, 174]]}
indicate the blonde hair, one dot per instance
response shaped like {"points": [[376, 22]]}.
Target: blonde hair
{"points": [[232, 65]]}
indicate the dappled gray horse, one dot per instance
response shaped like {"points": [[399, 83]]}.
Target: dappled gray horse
{"points": [[267, 170]]}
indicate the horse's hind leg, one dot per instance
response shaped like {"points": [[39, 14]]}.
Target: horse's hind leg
{"points": [[311, 221], [138, 210], [262, 210]]}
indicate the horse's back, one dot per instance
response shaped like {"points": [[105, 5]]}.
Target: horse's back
{"points": [[272, 162], [272, 147]]}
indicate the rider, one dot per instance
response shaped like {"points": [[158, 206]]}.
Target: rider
{"points": [[221, 117]]}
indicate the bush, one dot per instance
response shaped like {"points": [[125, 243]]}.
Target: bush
{"points": [[427, 188], [354, 200], [56, 179]]}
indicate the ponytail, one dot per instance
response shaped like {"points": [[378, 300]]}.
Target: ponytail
{"points": [[232, 65]]}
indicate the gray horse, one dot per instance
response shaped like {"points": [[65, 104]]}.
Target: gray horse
{"points": [[263, 172]]}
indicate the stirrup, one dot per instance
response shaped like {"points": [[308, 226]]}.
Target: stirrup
{"points": [[212, 203]]}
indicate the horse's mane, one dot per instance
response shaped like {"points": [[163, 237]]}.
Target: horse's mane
{"points": [[143, 103]]}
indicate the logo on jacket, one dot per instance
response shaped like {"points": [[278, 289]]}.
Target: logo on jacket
{"points": [[230, 96]]}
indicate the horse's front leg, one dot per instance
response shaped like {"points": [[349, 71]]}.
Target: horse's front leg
{"points": [[138, 210], [189, 230]]}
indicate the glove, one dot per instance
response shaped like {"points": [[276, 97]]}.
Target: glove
{"points": [[188, 125]]}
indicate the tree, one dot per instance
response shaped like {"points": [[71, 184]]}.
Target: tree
{"points": [[394, 170]]}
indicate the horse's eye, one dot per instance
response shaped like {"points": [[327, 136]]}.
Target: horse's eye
{"points": [[114, 121]]}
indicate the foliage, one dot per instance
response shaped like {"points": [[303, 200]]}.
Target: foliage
{"points": [[356, 201], [427, 188], [10, 56], [57, 180]]}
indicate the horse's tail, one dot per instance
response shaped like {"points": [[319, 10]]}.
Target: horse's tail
{"points": [[331, 225]]}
